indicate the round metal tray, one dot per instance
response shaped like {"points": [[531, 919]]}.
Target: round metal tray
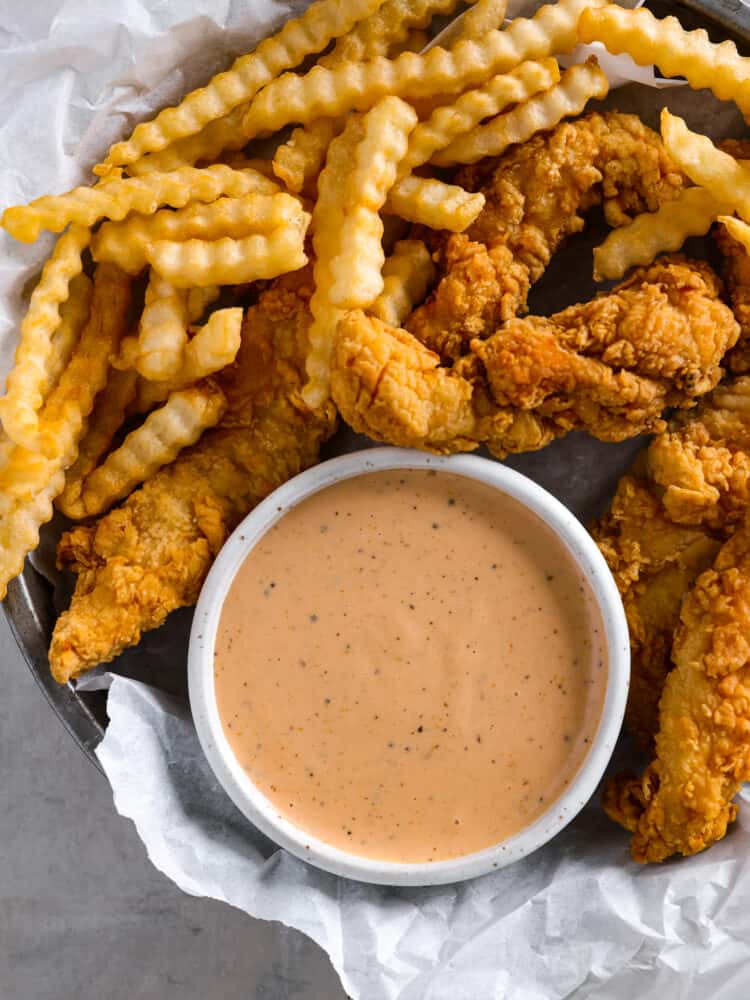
{"points": [[578, 470]]}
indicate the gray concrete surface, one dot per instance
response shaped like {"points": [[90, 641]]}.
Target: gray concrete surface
{"points": [[84, 915]]}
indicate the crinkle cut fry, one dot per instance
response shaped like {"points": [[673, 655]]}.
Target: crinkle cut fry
{"points": [[407, 274], [151, 555], [186, 414], [429, 202], [569, 97], [126, 243], [357, 86], [641, 241], [322, 21], [106, 419], [683, 802], [204, 263], [299, 160], [347, 229], [63, 422], [36, 361], [677, 52], [211, 349], [162, 332], [446, 123], [85, 206]]}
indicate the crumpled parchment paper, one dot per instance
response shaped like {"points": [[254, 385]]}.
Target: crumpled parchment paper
{"points": [[578, 918]]}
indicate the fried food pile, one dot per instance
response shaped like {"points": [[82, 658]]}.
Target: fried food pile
{"points": [[677, 539], [207, 314]]}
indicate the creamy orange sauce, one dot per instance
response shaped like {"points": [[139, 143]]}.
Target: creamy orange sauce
{"points": [[410, 666]]}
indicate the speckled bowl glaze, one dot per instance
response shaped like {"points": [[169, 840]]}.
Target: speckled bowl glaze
{"points": [[238, 783]]}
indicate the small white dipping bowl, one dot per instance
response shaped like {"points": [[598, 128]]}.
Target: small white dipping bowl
{"points": [[238, 783]]}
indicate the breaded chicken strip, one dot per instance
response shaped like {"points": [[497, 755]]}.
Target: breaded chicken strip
{"points": [[610, 366], [614, 364], [151, 555], [536, 195], [683, 802], [684, 496], [654, 563], [701, 467], [389, 386]]}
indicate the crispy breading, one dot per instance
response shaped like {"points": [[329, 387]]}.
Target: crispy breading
{"points": [[610, 366], [614, 364], [654, 563], [151, 555], [683, 802], [536, 196], [701, 466]]}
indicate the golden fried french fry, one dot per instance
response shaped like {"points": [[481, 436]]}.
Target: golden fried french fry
{"points": [[28, 486], [727, 179], [568, 97], [415, 41], [737, 229], [692, 213], [347, 230], [35, 360], [212, 348], [448, 122], [73, 316], [482, 16], [434, 204], [197, 263], [321, 22], [162, 334], [332, 92], [356, 279], [220, 136], [677, 52], [198, 300], [407, 274], [126, 243], [300, 159], [388, 26], [105, 421], [157, 442], [116, 199]]}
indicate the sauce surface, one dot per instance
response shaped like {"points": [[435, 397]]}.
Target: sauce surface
{"points": [[410, 666]]}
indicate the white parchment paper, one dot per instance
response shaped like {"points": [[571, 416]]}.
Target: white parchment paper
{"points": [[577, 918]]}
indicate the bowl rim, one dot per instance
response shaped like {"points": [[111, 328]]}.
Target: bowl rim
{"points": [[237, 782]]}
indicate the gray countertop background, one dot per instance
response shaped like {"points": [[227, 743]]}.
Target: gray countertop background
{"points": [[83, 913]]}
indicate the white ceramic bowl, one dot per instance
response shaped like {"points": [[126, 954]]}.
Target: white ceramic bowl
{"points": [[238, 783]]}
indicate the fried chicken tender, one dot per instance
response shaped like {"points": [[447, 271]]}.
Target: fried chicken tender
{"points": [[389, 386], [610, 366], [685, 495], [683, 802], [536, 195], [614, 364], [654, 563], [701, 466], [151, 555]]}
